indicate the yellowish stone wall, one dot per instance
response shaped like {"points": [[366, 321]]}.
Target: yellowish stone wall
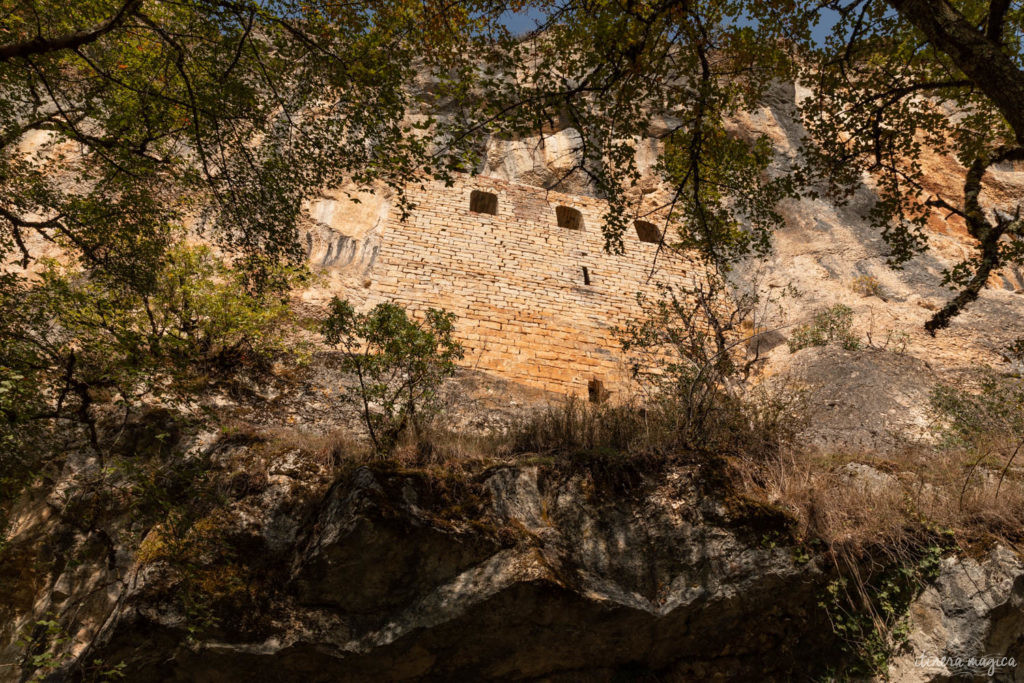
{"points": [[515, 279]]}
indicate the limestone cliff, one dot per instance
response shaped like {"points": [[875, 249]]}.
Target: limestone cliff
{"points": [[315, 570], [521, 572], [822, 257]]}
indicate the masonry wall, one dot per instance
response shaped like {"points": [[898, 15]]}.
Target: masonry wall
{"points": [[515, 280]]}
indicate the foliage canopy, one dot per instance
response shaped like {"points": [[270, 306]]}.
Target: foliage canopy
{"points": [[122, 118], [893, 82]]}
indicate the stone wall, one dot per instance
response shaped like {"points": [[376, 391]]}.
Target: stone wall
{"points": [[515, 279]]}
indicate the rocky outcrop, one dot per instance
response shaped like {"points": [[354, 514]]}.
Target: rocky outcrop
{"points": [[975, 609], [515, 576], [521, 572], [859, 401]]}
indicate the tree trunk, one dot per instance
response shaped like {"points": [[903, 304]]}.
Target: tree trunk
{"points": [[981, 57]]}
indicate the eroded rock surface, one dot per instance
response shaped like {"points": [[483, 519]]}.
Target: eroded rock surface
{"points": [[520, 577], [974, 609], [518, 573]]}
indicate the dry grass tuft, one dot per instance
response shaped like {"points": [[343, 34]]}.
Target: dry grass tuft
{"points": [[439, 448], [323, 453], [850, 502], [755, 427]]}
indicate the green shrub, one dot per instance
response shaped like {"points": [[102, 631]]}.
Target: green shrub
{"points": [[869, 611], [828, 326], [198, 314], [400, 363], [43, 644], [687, 353], [19, 402], [75, 339], [987, 410]]}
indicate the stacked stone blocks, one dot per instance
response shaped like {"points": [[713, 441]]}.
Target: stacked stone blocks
{"points": [[516, 282]]}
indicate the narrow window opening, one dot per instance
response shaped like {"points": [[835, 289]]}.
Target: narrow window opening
{"points": [[586, 276], [569, 218], [647, 232], [483, 202]]}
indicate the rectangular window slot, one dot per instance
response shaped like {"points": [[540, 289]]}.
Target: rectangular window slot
{"points": [[586, 276], [569, 218], [647, 232], [483, 202]]}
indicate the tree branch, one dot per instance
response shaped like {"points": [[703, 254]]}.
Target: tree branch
{"points": [[996, 18], [41, 45], [988, 235], [977, 55]]}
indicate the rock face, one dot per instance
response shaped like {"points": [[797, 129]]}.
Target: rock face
{"points": [[390, 580], [519, 573], [974, 609], [863, 401]]}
